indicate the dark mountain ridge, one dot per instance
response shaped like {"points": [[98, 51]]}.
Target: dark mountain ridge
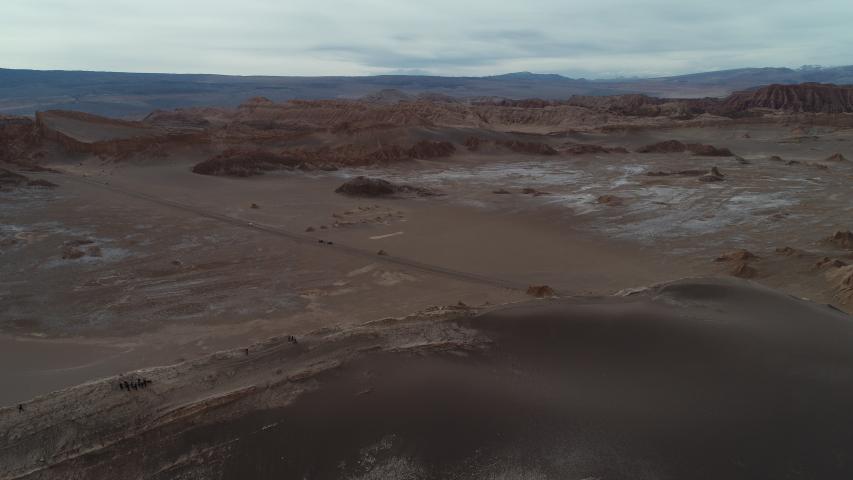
{"points": [[23, 92]]}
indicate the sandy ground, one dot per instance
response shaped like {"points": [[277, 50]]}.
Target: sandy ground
{"points": [[696, 379], [764, 204], [144, 269], [184, 265], [169, 285]]}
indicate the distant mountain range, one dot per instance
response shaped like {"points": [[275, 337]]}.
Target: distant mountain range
{"points": [[132, 95]]}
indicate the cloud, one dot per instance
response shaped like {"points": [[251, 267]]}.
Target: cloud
{"points": [[593, 39]]}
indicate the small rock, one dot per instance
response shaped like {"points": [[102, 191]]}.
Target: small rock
{"points": [[843, 239], [713, 175], [743, 270], [610, 200], [789, 251], [72, 253], [827, 262], [534, 192], [541, 291], [737, 255]]}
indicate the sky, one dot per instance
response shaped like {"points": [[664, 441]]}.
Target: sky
{"points": [[589, 38]]}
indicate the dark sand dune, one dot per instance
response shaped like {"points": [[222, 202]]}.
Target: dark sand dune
{"points": [[702, 379], [698, 379]]}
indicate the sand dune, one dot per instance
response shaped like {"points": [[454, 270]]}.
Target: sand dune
{"points": [[693, 379]]}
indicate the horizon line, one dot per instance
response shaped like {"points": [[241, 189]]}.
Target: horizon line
{"points": [[429, 75]]}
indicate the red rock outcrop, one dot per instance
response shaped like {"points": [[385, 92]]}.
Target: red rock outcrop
{"points": [[17, 138], [388, 95], [737, 256], [245, 163], [515, 103], [324, 133], [386, 154], [741, 260], [541, 291], [352, 116], [744, 270], [674, 146], [630, 104], [805, 97], [636, 105]]}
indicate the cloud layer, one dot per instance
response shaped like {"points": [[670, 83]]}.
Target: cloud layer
{"points": [[593, 39]]}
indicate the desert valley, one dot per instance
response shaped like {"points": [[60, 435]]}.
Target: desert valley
{"points": [[410, 285]]}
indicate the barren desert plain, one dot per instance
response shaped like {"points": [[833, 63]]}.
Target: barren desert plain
{"points": [[617, 287]]}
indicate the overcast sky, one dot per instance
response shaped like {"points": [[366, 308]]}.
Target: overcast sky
{"points": [[578, 38]]}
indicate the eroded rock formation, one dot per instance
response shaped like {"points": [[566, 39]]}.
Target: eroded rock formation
{"points": [[805, 97]]}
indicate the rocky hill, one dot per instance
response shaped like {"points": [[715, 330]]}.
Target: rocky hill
{"points": [[17, 136], [133, 95], [262, 134], [805, 97]]}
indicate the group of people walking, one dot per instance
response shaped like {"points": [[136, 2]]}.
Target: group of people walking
{"points": [[134, 384], [140, 383]]}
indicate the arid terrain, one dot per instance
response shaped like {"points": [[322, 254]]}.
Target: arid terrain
{"points": [[421, 286], [134, 95]]}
